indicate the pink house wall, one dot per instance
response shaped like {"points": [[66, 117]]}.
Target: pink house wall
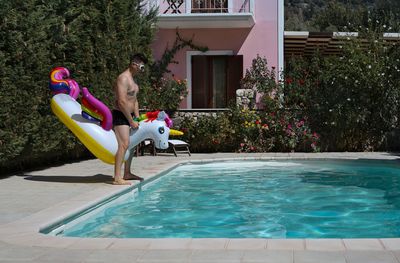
{"points": [[261, 39]]}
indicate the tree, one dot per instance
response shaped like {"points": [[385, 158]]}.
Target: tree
{"points": [[341, 15]]}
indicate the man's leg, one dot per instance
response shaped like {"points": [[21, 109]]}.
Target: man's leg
{"points": [[122, 134], [127, 171]]}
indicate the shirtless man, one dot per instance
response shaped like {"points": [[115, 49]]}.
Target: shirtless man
{"points": [[126, 108]]}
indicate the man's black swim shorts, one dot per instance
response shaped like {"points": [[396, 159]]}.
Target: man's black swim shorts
{"points": [[119, 118]]}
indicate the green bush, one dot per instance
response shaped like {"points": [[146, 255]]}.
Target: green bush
{"points": [[164, 94], [209, 133], [93, 39]]}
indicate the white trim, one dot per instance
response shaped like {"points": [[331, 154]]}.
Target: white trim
{"points": [[189, 55], [296, 34], [151, 4], [391, 35], [230, 6], [281, 32], [206, 20], [251, 6], [188, 6], [345, 34]]}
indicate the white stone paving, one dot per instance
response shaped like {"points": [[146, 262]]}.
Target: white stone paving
{"points": [[33, 200]]}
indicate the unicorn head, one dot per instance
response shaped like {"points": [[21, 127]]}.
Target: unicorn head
{"points": [[156, 129]]}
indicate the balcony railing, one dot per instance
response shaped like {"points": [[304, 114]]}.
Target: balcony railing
{"points": [[202, 6], [209, 6]]}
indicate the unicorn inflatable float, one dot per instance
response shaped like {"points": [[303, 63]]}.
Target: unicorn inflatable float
{"points": [[91, 122]]}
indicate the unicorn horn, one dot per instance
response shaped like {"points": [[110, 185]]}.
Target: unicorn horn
{"points": [[175, 132]]}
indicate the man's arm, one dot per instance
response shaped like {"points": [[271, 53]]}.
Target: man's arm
{"points": [[122, 99], [136, 110]]}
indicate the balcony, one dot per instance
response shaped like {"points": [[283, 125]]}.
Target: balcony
{"points": [[205, 13]]}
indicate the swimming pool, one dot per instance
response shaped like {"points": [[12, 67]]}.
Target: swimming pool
{"points": [[257, 199]]}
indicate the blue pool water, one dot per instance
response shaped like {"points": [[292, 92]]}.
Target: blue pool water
{"points": [[259, 199]]}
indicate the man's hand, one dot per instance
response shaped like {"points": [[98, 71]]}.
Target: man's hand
{"points": [[134, 125]]}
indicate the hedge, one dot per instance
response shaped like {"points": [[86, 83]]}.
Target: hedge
{"points": [[93, 39]]}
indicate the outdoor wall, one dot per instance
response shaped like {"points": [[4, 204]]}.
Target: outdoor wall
{"points": [[261, 39]]}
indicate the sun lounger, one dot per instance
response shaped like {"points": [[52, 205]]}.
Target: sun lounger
{"points": [[179, 146], [146, 144]]}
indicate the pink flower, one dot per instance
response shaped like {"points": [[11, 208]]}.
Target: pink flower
{"points": [[300, 124], [313, 145], [289, 80]]}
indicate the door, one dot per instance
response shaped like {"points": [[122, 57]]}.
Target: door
{"points": [[215, 80]]}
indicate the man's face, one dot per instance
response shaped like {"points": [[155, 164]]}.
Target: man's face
{"points": [[139, 65]]}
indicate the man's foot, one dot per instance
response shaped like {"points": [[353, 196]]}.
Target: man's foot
{"points": [[131, 176], [121, 182]]}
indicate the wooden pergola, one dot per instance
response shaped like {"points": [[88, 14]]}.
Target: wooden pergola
{"points": [[303, 43]]}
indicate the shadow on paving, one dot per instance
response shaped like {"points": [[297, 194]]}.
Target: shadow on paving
{"points": [[98, 178]]}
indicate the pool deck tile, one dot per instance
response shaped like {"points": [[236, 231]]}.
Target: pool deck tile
{"points": [[391, 243], [170, 243], [247, 244], [370, 257], [166, 255], [217, 256], [56, 242], [319, 256], [122, 256], [209, 243], [16, 254], [363, 244], [286, 244], [49, 195], [91, 243], [396, 253], [267, 256], [131, 243], [331, 244], [60, 255]]}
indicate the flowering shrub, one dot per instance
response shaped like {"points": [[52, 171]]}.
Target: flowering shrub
{"points": [[263, 80], [245, 130], [352, 99], [274, 128], [278, 127], [275, 131]]}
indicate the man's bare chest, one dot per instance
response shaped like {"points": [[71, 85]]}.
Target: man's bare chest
{"points": [[132, 91]]}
